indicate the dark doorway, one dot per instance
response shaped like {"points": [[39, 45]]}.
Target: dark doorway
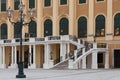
{"points": [[26, 59], [100, 60], [17, 57], [116, 58]]}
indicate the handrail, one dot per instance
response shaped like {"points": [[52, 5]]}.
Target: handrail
{"points": [[89, 52]]}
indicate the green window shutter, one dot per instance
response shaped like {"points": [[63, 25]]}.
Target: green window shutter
{"points": [[64, 26], [16, 4], [3, 5], [48, 27], [47, 3], [100, 0], [32, 28], [31, 3], [82, 1], [4, 31], [63, 2], [117, 24], [82, 27], [17, 30]]}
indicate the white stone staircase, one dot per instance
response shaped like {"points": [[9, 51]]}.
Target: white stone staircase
{"points": [[77, 62]]}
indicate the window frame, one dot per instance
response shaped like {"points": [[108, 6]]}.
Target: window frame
{"points": [[5, 6], [17, 5], [100, 1], [85, 21], [81, 3], [63, 4], [47, 6], [34, 4], [100, 30], [116, 27]]}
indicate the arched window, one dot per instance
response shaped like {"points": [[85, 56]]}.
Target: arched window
{"points": [[117, 24], [31, 3], [16, 4], [64, 24], [4, 31], [17, 30], [82, 27], [48, 27], [32, 29], [100, 26]]}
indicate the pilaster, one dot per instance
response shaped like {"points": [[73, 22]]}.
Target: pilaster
{"points": [[55, 18], [91, 28], [109, 21], [71, 16], [39, 18]]}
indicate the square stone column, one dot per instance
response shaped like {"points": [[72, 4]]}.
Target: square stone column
{"points": [[47, 50], [94, 60], [63, 51], [107, 60]]}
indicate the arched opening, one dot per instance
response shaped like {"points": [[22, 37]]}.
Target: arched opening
{"points": [[100, 26], [32, 29], [4, 31], [82, 27], [117, 24], [64, 24], [48, 27]]}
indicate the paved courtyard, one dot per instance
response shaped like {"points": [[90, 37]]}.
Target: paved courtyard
{"points": [[40, 74]]}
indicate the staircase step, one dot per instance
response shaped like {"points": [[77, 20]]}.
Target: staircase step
{"points": [[62, 66]]}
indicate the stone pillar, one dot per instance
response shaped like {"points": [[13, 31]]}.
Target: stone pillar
{"points": [[62, 51], [109, 21], [15, 55], [90, 27], [40, 18], [107, 60], [68, 49], [3, 57], [0, 56], [83, 59], [30, 54], [94, 60], [55, 18], [33, 66], [72, 16], [3, 54], [47, 50], [12, 56], [34, 54], [94, 57]]}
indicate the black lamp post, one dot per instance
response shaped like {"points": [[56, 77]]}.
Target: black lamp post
{"points": [[22, 15]]}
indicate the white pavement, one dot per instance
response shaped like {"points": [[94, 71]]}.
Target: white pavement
{"points": [[40, 74]]}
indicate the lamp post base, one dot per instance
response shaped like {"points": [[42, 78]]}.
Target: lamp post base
{"points": [[20, 73], [21, 76]]}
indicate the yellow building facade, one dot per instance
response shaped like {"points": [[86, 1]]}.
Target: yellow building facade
{"points": [[56, 21]]}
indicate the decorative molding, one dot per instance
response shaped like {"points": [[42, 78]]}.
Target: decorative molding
{"points": [[91, 35], [109, 34]]}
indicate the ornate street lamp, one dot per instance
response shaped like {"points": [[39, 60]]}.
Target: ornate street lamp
{"points": [[22, 16]]}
